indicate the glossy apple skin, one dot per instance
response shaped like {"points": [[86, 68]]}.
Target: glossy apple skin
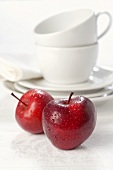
{"points": [[30, 117], [69, 125]]}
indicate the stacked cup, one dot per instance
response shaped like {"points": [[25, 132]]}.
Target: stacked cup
{"points": [[67, 45]]}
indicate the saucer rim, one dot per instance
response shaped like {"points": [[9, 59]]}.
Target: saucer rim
{"points": [[107, 90], [73, 87], [96, 100]]}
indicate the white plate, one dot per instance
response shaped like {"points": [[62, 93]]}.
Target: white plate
{"points": [[101, 77], [96, 100], [105, 91]]}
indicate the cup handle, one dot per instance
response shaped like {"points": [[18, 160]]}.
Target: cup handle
{"points": [[109, 23]]}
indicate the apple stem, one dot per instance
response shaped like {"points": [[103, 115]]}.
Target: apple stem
{"points": [[18, 99], [70, 97]]}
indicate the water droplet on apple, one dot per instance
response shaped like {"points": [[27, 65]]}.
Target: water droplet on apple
{"points": [[48, 128], [55, 138]]}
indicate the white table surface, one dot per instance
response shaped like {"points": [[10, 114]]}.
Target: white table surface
{"points": [[20, 150]]}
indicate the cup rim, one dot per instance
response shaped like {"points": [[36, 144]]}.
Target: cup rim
{"points": [[68, 48], [65, 30]]}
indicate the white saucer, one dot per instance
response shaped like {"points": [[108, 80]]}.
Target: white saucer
{"points": [[100, 78], [105, 91], [96, 100]]}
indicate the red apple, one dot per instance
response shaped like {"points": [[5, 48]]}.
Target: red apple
{"points": [[29, 110], [69, 122]]}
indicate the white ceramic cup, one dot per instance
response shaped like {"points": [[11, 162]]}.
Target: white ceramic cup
{"points": [[71, 29], [67, 65]]}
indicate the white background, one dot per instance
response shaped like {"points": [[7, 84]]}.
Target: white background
{"points": [[20, 150], [18, 19]]}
